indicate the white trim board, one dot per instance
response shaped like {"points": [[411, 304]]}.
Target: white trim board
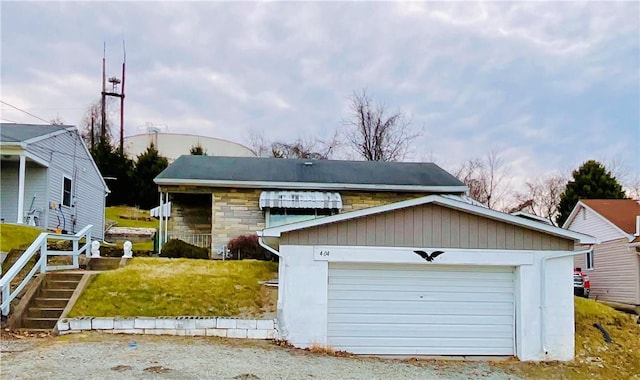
{"points": [[307, 185], [403, 255]]}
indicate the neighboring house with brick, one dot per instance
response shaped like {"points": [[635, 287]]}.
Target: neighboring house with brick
{"points": [[614, 266], [215, 199]]}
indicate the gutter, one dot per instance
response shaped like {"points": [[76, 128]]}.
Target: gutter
{"points": [[543, 291], [266, 246]]}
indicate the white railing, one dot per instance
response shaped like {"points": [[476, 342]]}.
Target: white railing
{"points": [[199, 240], [41, 265]]}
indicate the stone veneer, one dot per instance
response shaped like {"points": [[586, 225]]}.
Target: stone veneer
{"points": [[236, 212]]}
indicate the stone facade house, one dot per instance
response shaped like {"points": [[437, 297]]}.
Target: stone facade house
{"points": [[216, 199]]}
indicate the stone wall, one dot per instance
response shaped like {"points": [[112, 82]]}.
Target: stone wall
{"points": [[187, 326], [357, 200], [190, 216], [235, 212]]}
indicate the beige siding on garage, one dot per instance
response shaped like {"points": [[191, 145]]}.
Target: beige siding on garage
{"points": [[616, 273], [426, 225]]}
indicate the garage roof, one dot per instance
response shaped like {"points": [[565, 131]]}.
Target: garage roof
{"points": [[451, 201], [261, 172]]}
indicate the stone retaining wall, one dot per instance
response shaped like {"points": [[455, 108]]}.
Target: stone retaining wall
{"points": [[187, 326]]}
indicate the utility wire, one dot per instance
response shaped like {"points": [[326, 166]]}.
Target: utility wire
{"points": [[21, 110], [10, 121]]}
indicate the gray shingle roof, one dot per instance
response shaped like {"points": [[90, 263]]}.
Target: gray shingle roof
{"points": [[23, 132], [259, 172]]}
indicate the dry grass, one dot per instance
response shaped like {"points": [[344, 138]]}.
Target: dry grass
{"points": [[594, 359], [17, 236], [317, 348], [172, 287]]}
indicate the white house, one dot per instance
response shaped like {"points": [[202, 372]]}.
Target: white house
{"points": [[614, 265], [49, 179], [434, 275]]}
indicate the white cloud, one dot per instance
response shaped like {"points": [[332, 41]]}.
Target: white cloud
{"points": [[545, 82]]}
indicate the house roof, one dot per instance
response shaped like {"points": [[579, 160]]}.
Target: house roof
{"points": [[621, 212], [23, 133], [261, 172], [451, 201]]}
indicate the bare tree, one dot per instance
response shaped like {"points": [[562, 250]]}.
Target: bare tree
{"points": [[542, 196], [258, 143], [486, 178], [309, 148], [91, 122], [374, 133], [57, 120], [632, 187]]}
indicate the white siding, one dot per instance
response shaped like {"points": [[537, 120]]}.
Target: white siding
{"points": [[9, 192], [35, 185], [593, 224], [68, 157], [616, 274], [421, 310]]}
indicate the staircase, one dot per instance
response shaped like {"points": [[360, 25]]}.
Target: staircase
{"points": [[49, 302]]}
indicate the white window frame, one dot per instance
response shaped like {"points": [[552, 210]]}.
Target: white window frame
{"points": [[267, 216], [589, 260], [64, 177]]}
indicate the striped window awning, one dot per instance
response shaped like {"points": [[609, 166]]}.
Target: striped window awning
{"points": [[300, 199]]}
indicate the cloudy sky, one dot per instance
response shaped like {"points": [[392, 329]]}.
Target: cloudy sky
{"points": [[548, 85]]}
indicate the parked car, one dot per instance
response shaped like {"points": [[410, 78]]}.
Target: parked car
{"points": [[581, 284]]}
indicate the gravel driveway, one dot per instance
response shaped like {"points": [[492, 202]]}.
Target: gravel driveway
{"points": [[106, 356]]}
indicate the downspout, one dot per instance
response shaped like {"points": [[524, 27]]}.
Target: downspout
{"points": [[266, 246], [543, 291], [281, 327]]}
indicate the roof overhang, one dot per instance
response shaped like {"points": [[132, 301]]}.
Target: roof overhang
{"points": [[447, 201], [13, 151], [308, 185]]}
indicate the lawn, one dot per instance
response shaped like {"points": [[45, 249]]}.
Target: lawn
{"points": [[154, 287], [594, 358], [126, 216], [16, 236]]}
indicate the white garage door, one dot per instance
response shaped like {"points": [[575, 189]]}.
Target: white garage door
{"points": [[421, 309]]}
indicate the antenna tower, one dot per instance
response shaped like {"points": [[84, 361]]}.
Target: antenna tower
{"points": [[115, 82]]}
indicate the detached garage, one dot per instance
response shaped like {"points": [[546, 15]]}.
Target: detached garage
{"points": [[436, 275]]}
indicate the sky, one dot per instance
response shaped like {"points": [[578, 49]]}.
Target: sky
{"points": [[548, 85]]}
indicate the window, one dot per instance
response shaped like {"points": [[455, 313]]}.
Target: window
{"points": [[66, 191], [280, 216], [588, 259]]}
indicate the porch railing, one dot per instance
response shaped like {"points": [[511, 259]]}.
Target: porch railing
{"points": [[41, 265], [199, 240]]}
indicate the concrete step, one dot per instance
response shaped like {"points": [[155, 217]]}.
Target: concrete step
{"points": [[44, 312], [50, 302], [104, 263], [56, 293], [39, 323]]}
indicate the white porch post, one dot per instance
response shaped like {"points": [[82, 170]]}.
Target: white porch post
{"points": [[166, 220], [160, 227], [21, 177]]}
